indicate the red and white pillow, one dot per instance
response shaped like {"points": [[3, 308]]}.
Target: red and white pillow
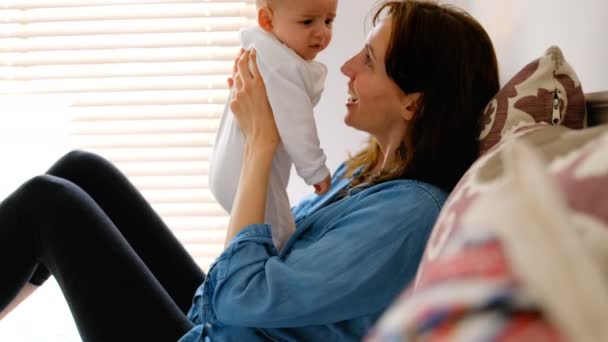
{"points": [[546, 90]]}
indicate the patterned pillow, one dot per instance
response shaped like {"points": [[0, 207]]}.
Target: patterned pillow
{"points": [[468, 270], [546, 90]]}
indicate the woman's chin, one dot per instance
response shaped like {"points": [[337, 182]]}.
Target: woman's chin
{"points": [[348, 120], [350, 113]]}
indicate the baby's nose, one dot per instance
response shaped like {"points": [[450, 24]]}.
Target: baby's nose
{"points": [[322, 32]]}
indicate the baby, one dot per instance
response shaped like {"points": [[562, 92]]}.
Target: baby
{"points": [[289, 35]]}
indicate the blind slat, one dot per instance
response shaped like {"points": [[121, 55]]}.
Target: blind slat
{"points": [[121, 84], [215, 237], [188, 209], [203, 126], [206, 10], [217, 97], [144, 140], [185, 54], [149, 154], [190, 195], [32, 4], [80, 28], [147, 112], [217, 223], [132, 69], [198, 167], [146, 40], [169, 182]]}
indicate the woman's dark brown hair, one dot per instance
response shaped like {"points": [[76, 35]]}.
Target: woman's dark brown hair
{"points": [[445, 54]]}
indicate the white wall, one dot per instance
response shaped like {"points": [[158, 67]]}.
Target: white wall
{"points": [[350, 31], [523, 29], [520, 29]]}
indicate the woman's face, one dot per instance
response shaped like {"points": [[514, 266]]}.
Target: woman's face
{"points": [[375, 101]]}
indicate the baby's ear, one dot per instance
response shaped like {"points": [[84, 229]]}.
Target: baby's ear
{"points": [[265, 19]]}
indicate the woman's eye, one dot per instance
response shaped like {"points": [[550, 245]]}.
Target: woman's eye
{"points": [[368, 59]]}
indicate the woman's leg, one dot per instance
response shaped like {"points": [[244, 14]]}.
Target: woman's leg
{"points": [[25, 292], [109, 289], [139, 224]]}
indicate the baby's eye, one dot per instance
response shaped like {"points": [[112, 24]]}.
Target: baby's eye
{"points": [[306, 22], [329, 21]]}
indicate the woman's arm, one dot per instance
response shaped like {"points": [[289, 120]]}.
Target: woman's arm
{"points": [[368, 242], [250, 200], [254, 115]]}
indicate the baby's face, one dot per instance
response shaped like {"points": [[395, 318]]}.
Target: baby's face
{"points": [[304, 25]]}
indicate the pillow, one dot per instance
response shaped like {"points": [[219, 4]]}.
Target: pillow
{"points": [[518, 251], [546, 90], [543, 238]]}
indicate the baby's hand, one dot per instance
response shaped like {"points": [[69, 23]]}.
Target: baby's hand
{"points": [[323, 186]]}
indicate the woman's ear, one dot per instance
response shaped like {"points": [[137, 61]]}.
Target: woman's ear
{"points": [[411, 104], [265, 19]]}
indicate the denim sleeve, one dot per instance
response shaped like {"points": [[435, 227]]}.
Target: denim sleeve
{"points": [[300, 209], [356, 267]]}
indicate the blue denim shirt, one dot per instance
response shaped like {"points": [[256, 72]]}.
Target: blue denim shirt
{"points": [[348, 259]]}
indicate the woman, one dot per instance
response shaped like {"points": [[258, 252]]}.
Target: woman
{"points": [[418, 88]]}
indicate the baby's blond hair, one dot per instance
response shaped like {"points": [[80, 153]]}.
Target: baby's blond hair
{"points": [[267, 3], [262, 3]]}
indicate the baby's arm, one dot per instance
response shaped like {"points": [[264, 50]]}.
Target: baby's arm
{"points": [[293, 112]]}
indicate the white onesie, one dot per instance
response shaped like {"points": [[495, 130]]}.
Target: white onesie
{"points": [[294, 87]]}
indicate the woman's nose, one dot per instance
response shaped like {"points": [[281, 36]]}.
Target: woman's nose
{"points": [[346, 68]]}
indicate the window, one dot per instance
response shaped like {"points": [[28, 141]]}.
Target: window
{"points": [[146, 80]]}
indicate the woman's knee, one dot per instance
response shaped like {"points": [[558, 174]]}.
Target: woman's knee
{"points": [[48, 198], [43, 186], [82, 157], [74, 162]]}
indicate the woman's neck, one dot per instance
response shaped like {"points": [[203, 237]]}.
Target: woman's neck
{"points": [[386, 156], [388, 144]]}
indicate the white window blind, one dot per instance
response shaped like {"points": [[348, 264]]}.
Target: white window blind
{"points": [[147, 84]]}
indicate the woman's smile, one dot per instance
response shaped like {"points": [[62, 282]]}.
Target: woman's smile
{"points": [[352, 98]]}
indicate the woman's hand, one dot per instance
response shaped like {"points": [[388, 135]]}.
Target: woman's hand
{"points": [[250, 104], [231, 78], [254, 115]]}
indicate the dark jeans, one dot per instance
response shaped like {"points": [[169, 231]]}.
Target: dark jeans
{"points": [[122, 272]]}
